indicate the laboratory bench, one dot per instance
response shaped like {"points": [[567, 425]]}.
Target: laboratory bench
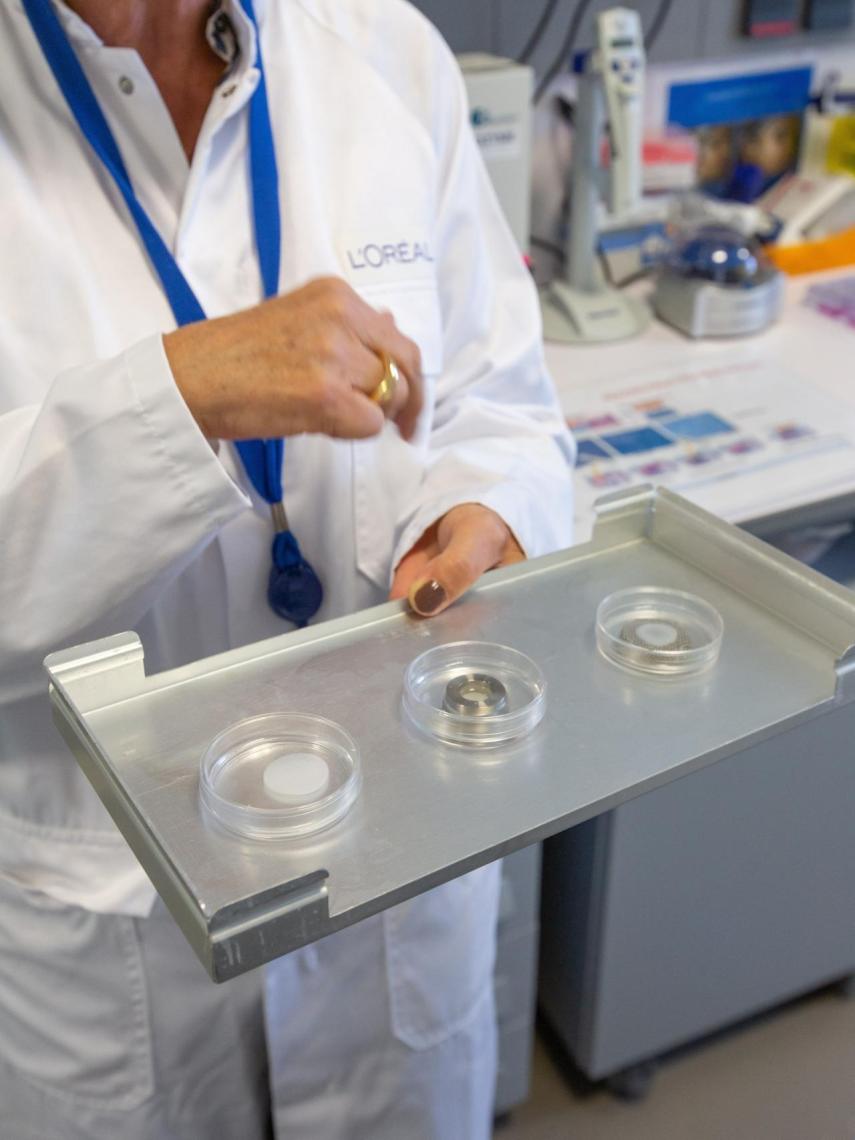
{"points": [[808, 344]]}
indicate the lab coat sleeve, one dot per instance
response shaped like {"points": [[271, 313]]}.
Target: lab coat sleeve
{"points": [[107, 491], [498, 435]]}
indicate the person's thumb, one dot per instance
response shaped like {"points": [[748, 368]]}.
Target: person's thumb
{"points": [[470, 551]]}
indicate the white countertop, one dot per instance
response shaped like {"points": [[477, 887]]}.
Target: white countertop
{"points": [[816, 348]]}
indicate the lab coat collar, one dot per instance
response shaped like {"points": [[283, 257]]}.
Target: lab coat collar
{"points": [[237, 84], [82, 36]]}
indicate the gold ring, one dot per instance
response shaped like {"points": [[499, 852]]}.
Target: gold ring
{"points": [[385, 391]]}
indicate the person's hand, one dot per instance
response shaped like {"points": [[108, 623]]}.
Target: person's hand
{"points": [[304, 362], [451, 556]]}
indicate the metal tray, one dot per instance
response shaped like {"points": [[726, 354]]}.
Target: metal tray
{"points": [[428, 812]]}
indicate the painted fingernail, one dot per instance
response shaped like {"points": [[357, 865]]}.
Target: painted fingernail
{"points": [[429, 597]]}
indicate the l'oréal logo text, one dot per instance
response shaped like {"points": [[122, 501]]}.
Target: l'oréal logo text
{"points": [[373, 256]]}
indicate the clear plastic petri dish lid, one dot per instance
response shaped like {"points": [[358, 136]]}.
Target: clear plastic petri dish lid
{"points": [[280, 775], [653, 630], [474, 693]]}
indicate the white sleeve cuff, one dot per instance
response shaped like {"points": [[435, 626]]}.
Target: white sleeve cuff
{"points": [[195, 472], [538, 531]]}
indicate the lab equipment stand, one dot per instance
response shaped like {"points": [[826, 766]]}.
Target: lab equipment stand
{"points": [[582, 308]]}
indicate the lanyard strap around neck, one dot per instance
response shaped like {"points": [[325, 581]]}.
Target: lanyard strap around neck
{"points": [[261, 458], [294, 590]]}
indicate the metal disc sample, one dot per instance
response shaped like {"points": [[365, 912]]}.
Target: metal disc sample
{"points": [[474, 693], [661, 631]]}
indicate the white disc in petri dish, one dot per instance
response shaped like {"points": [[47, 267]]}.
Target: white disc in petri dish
{"points": [[297, 777], [654, 630], [657, 634], [280, 776]]}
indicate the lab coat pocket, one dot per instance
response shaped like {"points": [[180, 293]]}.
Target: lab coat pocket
{"points": [[74, 1002], [416, 309], [388, 471], [440, 954]]}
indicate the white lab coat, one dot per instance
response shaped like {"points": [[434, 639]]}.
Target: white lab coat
{"points": [[115, 513]]}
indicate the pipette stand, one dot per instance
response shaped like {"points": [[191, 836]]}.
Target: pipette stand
{"points": [[581, 308]]}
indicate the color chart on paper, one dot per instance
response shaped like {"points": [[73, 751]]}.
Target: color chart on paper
{"points": [[741, 437]]}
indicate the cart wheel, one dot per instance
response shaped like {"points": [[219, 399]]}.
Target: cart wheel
{"points": [[846, 987], [633, 1083]]}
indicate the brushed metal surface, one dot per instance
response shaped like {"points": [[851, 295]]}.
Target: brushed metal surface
{"points": [[429, 811]]}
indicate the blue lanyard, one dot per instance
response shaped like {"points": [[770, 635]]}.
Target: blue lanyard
{"points": [[294, 591]]}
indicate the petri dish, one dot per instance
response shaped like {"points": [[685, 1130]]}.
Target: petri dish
{"points": [[280, 776], [654, 630], [474, 693]]}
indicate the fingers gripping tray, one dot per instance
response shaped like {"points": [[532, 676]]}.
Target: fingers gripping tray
{"points": [[285, 790]]}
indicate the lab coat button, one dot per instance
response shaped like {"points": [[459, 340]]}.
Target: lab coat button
{"points": [[126, 85]]}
